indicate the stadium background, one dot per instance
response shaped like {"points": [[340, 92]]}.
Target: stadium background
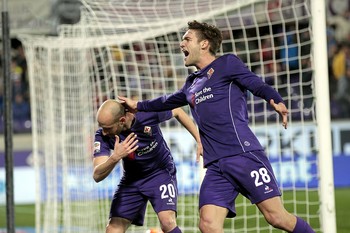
{"points": [[65, 11]]}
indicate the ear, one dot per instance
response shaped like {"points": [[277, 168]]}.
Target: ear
{"points": [[122, 120], [204, 44]]}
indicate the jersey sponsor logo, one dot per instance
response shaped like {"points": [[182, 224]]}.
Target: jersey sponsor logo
{"points": [[97, 147], [147, 149], [210, 72], [147, 130], [246, 143], [203, 95]]}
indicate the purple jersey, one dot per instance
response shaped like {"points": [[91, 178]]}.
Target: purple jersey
{"points": [[153, 153], [217, 96]]}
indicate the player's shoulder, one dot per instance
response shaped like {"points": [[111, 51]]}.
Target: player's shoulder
{"points": [[227, 62], [144, 116], [153, 118], [98, 132], [230, 57], [226, 59], [102, 139]]}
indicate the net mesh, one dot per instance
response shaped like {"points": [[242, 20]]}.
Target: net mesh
{"points": [[131, 48]]}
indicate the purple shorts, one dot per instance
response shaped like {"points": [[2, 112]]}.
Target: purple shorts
{"points": [[130, 199], [248, 173]]}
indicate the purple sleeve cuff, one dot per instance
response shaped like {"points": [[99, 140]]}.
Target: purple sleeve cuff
{"points": [[140, 106]]}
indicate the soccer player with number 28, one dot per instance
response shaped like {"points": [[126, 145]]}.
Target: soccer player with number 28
{"points": [[149, 169], [235, 160]]}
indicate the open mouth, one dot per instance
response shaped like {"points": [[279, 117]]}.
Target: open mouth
{"points": [[186, 53]]}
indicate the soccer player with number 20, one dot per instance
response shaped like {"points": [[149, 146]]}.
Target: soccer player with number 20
{"points": [[149, 169]]}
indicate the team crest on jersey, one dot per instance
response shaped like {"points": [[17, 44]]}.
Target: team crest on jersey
{"points": [[97, 147], [210, 72], [147, 130]]}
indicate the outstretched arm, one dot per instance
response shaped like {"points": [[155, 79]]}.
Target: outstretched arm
{"points": [[103, 165], [158, 104], [188, 123], [282, 110]]}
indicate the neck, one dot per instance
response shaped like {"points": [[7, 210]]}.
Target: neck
{"points": [[205, 61]]}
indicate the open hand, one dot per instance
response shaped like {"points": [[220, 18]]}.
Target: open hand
{"points": [[126, 147], [130, 104], [282, 110]]}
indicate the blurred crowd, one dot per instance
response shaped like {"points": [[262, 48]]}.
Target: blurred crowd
{"points": [[338, 37], [20, 91]]}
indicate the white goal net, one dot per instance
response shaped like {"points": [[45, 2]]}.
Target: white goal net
{"points": [[131, 48]]}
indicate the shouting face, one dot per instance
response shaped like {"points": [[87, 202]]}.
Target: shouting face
{"points": [[191, 48]]}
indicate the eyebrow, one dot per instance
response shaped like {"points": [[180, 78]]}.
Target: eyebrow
{"points": [[186, 37]]}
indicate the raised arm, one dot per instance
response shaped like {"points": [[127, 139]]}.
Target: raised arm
{"points": [[188, 123], [103, 165]]}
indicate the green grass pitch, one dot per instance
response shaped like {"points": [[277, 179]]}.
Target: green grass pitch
{"points": [[25, 217]]}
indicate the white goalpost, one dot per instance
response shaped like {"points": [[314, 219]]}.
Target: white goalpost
{"points": [[131, 48], [325, 158]]}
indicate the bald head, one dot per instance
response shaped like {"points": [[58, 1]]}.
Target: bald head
{"points": [[110, 112]]}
